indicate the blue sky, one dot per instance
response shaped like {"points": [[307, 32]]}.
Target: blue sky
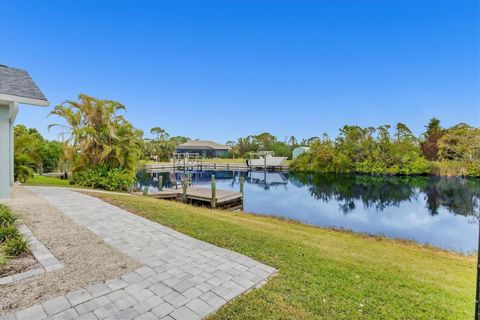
{"points": [[224, 69]]}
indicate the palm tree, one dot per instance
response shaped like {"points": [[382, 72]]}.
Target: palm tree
{"points": [[98, 134], [27, 157]]}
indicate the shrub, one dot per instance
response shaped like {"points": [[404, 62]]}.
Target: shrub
{"points": [[103, 178], [473, 169], [3, 259], [16, 246], [7, 217], [8, 232], [456, 168]]}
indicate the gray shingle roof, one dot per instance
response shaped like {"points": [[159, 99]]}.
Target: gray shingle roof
{"points": [[17, 82], [193, 144]]}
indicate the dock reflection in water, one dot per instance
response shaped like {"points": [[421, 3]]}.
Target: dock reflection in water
{"points": [[436, 210]]}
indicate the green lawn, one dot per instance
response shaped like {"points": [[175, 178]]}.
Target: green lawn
{"points": [[39, 180], [215, 160], [222, 160], [238, 160], [325, 274]]}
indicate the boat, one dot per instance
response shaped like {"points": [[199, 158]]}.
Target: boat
{"points": [[265, 159]]}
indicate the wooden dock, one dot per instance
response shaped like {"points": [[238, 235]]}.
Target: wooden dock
{"points": [[207, 166], [202, 196]]}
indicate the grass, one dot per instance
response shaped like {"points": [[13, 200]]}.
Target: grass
{"points": [[223, 160], [15, 246], [39, 180], [455, 168], [323, 273], [214, 160], [12, 243]]}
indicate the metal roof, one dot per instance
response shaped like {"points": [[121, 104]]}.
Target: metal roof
{"points": [[203, 144], [17, 85]]}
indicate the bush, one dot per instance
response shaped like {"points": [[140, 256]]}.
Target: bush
{"points": [[473, 169], [8, 232], [103, 178], [3, 259], [16, 246], [7, 217], [456, 168]]}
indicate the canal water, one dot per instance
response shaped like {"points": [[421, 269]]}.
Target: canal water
{"points": [[439, 211]]}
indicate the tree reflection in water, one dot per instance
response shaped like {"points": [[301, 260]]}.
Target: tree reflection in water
{"points": [[458, 195]]}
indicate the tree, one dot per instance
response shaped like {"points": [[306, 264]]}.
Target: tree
{"points": [[161, 134], [292, 142], [431, 137], [163, 146], [264, 140], [460, 143], [51, 153], [365, 150], [403, 133], [178, 140], [98, 134], [27, 158]]}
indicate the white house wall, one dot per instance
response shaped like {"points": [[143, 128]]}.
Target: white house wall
{"points": [[5, 152]]}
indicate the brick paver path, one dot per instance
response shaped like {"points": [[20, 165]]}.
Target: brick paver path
{"points": [[182, 277]]}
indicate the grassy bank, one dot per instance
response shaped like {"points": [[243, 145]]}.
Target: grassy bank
{"points": [[213, 160], [455, 168], [237, 160], [435, 168], [224, 160], [38, 180], [325, 274]]}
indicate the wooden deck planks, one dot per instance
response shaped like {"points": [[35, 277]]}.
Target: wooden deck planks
{"points": [[199, 194]]}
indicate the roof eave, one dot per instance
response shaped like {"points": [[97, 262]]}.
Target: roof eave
{"points": [[23, 100]]}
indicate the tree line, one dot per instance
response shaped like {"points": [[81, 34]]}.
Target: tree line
{"points": [[102, 149], [442, 151]]}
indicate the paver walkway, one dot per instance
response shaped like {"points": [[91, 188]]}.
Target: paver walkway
{"points": [[182, 277]]}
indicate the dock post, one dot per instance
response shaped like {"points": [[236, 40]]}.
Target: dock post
{"points": [[160, 182], [242, 181], [214, 166], [213, 202], [184, 186], [228, 166], [145, 191]]}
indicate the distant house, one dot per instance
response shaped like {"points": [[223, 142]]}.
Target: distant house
{"points": [[299, 151], [206, 149]]}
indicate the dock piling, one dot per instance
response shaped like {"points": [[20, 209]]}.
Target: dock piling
{"points": [[184, 186], [214, 193], [160, 182], [242, 181]]}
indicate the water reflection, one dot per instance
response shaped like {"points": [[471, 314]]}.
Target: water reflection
{"points": [[458, 195], [437, 210]]}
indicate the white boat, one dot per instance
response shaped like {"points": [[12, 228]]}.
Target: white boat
{"points": [[266, 160]]}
